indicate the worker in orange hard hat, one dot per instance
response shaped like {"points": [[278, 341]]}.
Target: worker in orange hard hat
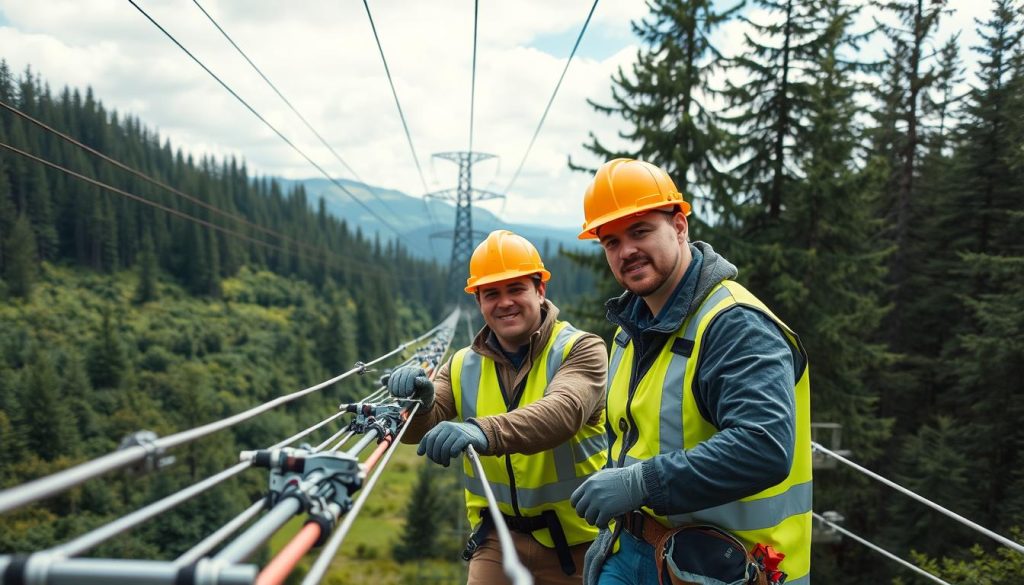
{"points": [[708, 406], [528, 395]]}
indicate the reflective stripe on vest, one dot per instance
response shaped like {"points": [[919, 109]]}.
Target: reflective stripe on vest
{"points": [[542, 481], [664, 409]]}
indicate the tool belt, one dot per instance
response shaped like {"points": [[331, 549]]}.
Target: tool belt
{"points": [[525, 525], [702, 554]]}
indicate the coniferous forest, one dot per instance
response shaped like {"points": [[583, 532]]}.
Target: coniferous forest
{"points": [[119, 316], [876, 205], [878, 208]]}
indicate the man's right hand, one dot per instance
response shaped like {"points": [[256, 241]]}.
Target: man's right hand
{"points": [[411, 382]]}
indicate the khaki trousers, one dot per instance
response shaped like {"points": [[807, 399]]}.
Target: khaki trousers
{"points": [[542, 562]]}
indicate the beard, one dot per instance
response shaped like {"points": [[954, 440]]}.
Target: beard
{"points": [[650, 283]]}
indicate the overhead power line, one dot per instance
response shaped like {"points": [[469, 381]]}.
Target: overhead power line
{"points": [[472, 85], [394, 93], [405, 125], [373, 192], [552, 99], [328, 259], [233, 216], [334, 181]]}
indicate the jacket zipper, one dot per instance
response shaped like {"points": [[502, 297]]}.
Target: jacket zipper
{"points": [[511, 404]]}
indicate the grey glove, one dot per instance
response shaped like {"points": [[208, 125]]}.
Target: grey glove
{"points": [[449, 439], [610, 493], [411, 382], [597, 554]]}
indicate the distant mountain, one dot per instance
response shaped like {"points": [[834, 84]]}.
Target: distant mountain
{"points": [[410, 217]]}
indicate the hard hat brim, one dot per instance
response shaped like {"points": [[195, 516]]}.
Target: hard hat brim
{"points": [[590, 228], [507, 275]]}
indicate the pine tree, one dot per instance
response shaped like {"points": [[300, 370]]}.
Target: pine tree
{"points": [[767, 112], [50, 424], [20, 258], [423, 517], [910, 73], [665, 100], [40, 212], [335, 342], [147, 288], [106, 358], [986, 357]]}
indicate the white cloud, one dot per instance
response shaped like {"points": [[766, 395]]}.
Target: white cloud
{"points": [[323, 57]]}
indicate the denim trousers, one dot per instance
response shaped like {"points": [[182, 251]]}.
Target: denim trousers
{"points": [[632, 564]]}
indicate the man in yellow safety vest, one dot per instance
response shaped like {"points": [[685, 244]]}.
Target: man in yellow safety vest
{"points": [[709, 478], [528, 395]]}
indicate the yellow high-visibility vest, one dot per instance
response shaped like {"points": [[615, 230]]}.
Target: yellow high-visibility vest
{"points": [[528, 485], [665, 413]]}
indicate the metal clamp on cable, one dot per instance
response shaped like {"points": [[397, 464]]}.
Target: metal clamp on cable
{"points": [[362, 369], [340, 470], [154, 458]]}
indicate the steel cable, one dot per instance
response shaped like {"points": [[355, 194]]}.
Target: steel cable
{"points": [[880, 550], [45, 487], [268, 124], [972, 525], [551, 100]]}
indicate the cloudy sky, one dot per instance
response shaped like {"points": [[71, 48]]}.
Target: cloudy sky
{"points": [[323, 58]]}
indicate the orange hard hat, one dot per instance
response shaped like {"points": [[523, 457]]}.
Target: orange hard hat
{"points": [[503, 255], [624, 187]]}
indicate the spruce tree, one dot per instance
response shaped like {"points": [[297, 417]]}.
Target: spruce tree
{"points": [[51, 427], [107, 362], [666, 100], [20, 258], [767, 112], [910, 73], [986, 357], [423, 517], [147, 288]]}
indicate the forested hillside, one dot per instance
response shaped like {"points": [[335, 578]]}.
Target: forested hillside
{"points": [[118, 316], [877, 205]]}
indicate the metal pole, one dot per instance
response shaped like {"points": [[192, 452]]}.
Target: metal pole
{"points": [[42, 569], [319, 568], [210, 542], [90, 539], [250, 540]]}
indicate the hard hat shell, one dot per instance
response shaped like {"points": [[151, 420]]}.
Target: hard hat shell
{"points": [[503, 255], [624, 187]]}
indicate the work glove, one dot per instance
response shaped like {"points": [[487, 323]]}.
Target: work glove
{"points": [[411, 382], [610, 493], [597, 554], [449, 439]]}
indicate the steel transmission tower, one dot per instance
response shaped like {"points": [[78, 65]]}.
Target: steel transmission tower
{"points": [[463, 236]]}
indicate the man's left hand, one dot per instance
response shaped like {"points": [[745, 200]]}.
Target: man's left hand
{"points": [[610, 493], [449, 439]]}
